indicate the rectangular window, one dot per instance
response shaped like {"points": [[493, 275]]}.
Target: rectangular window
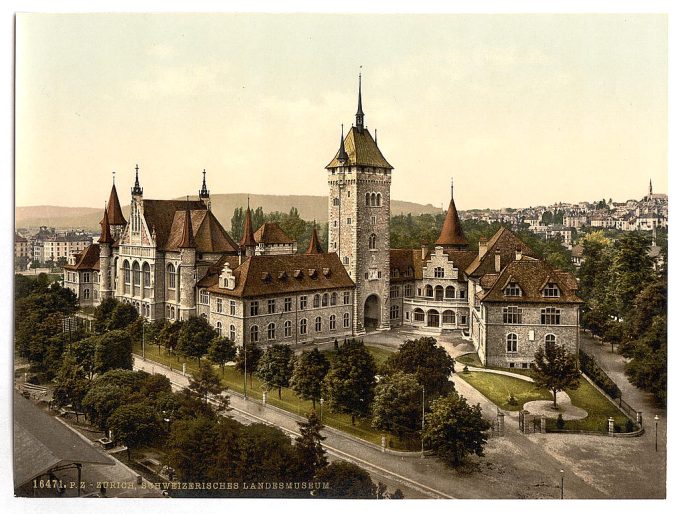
{"points": [[218, 305], [287, 304], [271, 306], [232, 307], [408, 290], [349, 221], [394, 291], [550, 316], [303, 303], [254, 308], [204, 297], [346, 298], [512, 315]]}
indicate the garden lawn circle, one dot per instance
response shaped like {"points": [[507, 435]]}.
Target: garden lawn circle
{"points": [[564, 407]]}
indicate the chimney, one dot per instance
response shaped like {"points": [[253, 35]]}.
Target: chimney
{"points": [[239, 257], [518, 253], [423, 250], [497, 261], [482, 246]]}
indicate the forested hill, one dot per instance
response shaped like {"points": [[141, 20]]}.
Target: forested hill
{"points": [[223, 205]]}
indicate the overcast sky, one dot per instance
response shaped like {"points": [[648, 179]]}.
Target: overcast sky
{"points": [[520, 109]]}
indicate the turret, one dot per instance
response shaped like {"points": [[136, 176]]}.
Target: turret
{"points": [[314, 243], [115, 214], [105, 241], [187, 279], [452, 235], [247, 244]]}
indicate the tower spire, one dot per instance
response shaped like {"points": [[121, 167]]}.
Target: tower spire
{"points": [[248, 238], [650, 187], [360, 110], [451, 188], [342, 154], [105, 236], [136, 190], [314, 243], [452, 235], [204, 193]]}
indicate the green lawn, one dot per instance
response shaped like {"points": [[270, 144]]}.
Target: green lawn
{"points": [[468, 359], [498, 389], [232, 379]]}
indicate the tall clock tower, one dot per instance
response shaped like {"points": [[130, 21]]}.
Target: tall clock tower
{"points": [[359, 180]]}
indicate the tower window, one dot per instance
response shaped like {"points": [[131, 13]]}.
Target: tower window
{"points": [[371, 242], [349, 221]]}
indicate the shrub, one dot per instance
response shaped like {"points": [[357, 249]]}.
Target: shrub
{"points": [[629, 426], [560, 422], [512, 400], [597, 375]]}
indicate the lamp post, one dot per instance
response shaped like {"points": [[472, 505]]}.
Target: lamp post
{"points": [[422, 429], [321, 404], [245, 370], [561, 484], [656, 433], [143, 323]]}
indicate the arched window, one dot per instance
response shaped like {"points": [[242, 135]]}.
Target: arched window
{"points": [[372, 199], [254, 334], [271, 331], [126, 275], [167, 312], [432, 318], [146, 274], [550, 341], [232, 332], [287, 328], [418, 315], [368, 198], [378, 199], [303, 326], [439, 293], [218, 328], [345, 320], [317, 324], [449, 317], [429, 291], [317, 300], [371, 242], [324, 300], [136, 278], [172, 312], [334, 298], [450, 292], [511, 343], [172, 275], [331, 322]]}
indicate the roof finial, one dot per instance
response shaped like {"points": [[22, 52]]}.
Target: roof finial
{"points": [[204, 193], [451, 188], [114, 177], [360, 110], [376, 136], [137, 190]]}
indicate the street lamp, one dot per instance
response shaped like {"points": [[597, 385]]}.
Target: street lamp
{"points": [[245, 370], [321, 403], [143, 323], [422, 429], [656, 433], [561, 484]]}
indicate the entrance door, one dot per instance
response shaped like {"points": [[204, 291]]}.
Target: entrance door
{"points": [[432, 318], [372, 312]]}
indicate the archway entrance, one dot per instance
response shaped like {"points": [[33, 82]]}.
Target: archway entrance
{"points": [[372, 312], [432, 318]]}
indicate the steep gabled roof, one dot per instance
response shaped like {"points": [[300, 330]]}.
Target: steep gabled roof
{"points": [[114, 211], [314, 243], [271, 233], [105, 236], [452, 229], [211, 237], [248, 239], [531, 275], [404, 258], [506, 242], [87, 260], [361, 150], [264, 275], [160, 215]]}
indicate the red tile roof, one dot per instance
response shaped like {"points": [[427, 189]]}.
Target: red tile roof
{"points": [[271, 233], [87, 260], [361, 150], [210, 236], [506, 242], [248, 238], [188, 240], [264, 275], [105, 236], [113, 208], [452, 230], [314, 243], [404, 259]]}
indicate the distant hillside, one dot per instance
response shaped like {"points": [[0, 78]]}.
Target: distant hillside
{"points": [[223, 205]]}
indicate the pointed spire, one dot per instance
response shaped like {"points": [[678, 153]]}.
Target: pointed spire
{"points": [[650, 187], [204, 193], [376, 137], [452, 235], [248, 238], [342, 154], [314, 243], [360, 110], [105, 236], [115, 213], [136, 190], [188, 240]]}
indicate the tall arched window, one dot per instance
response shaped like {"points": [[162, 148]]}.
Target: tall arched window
{"points": [[378, 199], [550, 341], [287, 328], [371, 242], [511, 343], [317, 324], [334, 298], [317, 300], [146, 274], [345, 320], [136, 278], [368, 198], [232, 333], [324, 300], [172, 276], [126, 275], [254, 334], [372, 199], [439, 293], [303, 326], [218, 328]]}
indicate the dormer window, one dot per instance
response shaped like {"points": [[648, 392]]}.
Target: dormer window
{"points": [[512, 289], [311, 273], [551, 290], [297, 273], [283, 275], [395, 272], [266, 277], [326, 272]]}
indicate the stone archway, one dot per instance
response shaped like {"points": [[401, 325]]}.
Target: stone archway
{"points": [[372, 312]]}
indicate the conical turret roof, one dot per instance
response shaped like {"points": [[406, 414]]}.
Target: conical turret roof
{"points": [[452, 231], [314, 243]]}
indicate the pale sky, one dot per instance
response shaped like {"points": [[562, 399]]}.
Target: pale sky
{"points": [[520, 109]]}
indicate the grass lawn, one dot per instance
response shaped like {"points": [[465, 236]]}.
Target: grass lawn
{"points": [[498, 389], [598, 407], [469, 359], [232, 379]]}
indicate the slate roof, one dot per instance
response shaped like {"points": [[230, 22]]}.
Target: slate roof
{"points": [[271, 233], [42, 443], [87, 260], [531, 275], [265, 275], [505, 241], [361, 150], [452, 229], [113, 209]]}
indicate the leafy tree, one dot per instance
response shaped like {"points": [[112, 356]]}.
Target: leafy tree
{"points": [[194, 338], [547, 218], [455, 429], [265, 455], [237, 220], [123, 315], [101, 401], [83, 352], [221, 351], [346, 480], [648, 368], [102, 314], [134, 425], [114, 350], [205, 384], [631, 266], [308, 445], [397, 406], [430, 364], [555, 369], [192, 448], [348, 386], [169, 335], [248, 358], [153, 332], [309, 370], [71, 385], [276, 366]]}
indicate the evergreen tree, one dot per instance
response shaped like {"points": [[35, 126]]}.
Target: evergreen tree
{"points": [[207, 384], [308, 446], [237, 223]]}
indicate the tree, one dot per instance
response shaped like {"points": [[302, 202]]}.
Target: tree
{"points": [[309, 370], [193, 447], [114, 350], [194, 337], [265, 455], [455, 429], [134, 425], [123, 315], [555, 369], [348, 386], [346, 480], [83, 352], [221, 351], [169, 335], [71, 385], [308, 446], [648, 367], [430, 364], [276, 366], [631, 266], [101, 401], [102, 314], [248, 358], [205, 384], [397, 406], [237, 221]]}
